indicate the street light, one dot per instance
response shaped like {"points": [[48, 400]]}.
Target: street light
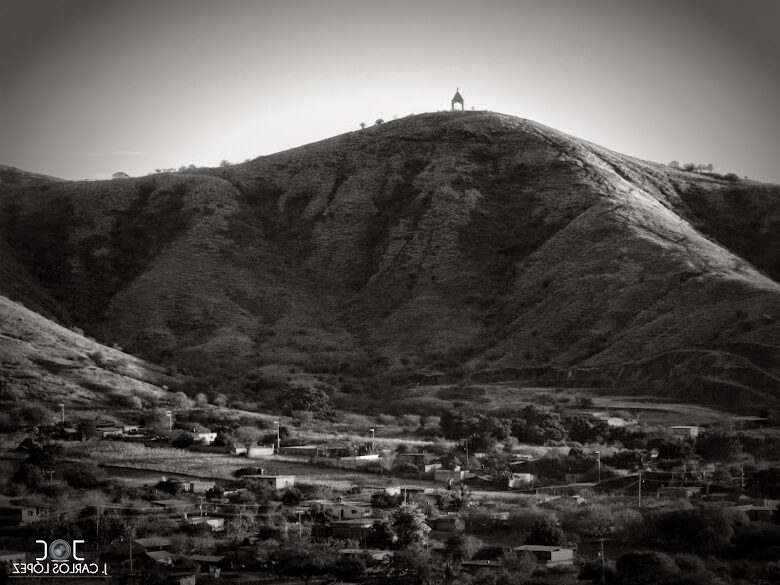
{"points": [[278, 437], [169, 414], [62, 408]]}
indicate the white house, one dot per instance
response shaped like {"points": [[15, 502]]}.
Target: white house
{"points": [[259, 451], [686, 431], [549, 556], [277, 482], [521, 480], [205, 437], [340, 510]]}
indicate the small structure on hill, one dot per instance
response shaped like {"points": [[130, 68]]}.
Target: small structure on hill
{"points": [[457, 99]]}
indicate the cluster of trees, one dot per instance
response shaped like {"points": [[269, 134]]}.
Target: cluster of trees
{"points": [[693, 167], [532, 424]]}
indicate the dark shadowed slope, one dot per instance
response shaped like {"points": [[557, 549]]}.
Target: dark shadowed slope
{"points": [[470, 243]]}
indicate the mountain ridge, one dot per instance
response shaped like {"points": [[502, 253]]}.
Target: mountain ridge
{"points": [[456, 242]]}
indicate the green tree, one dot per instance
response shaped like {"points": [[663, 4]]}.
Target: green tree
{"points": [[719, 445], [381, 535], [411, 567], [546, 531], [645, 568], [351, 568], [703, 530], [520, 563], [308, 400], [408, 523], [462, 547], [303, 560]]}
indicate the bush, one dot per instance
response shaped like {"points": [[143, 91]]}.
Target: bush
{"points": [[83, 475], [292, 496], [183, 440], [405, 468], [384, 500], [645, 568]]}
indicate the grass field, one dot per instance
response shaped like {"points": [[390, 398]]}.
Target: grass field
{"points": [[140, 464], [507, 395]]}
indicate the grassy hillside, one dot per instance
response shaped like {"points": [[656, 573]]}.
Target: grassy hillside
{"points": [[473, 243], [43, 364]]}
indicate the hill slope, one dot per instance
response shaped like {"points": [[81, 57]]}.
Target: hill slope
{"points": [[469, 243]]}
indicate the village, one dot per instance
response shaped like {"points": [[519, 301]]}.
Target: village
{"points": [[538, 495]]}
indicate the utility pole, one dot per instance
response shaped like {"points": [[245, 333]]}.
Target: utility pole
{"points": [[640, 488], [169, 414], [742, 477], [278, 437], [201, 509], [300, 524], [97, 527], [62, 411], [131, 534], [372, 439], [603, 569], [598, 457], [51, 476], [467, 454]]}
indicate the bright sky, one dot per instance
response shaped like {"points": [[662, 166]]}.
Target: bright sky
{"points": [[89, 87]]}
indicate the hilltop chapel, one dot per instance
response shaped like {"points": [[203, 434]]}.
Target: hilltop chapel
{"points": [[457, 99]]}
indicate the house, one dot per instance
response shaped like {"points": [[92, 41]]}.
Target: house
{"points": [[375, 554], [212, 564], [105, 431], [338, 509], [277, 482], [357, 529], [259, 451], [204, 437], [198, 486], [431, 467], [677, 492], [756, 513], [162, 557], [686, 431], [20, 515], [766, 502], [574, 477], [521, 480], [549, 556], [419, 459], [405, 490], [171, 505], [450, 523], [452, 476], [215, 523], [300, 450], [152, 543], [355, 461]]}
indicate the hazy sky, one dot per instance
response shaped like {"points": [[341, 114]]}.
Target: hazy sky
{"points": [[89, 87]]}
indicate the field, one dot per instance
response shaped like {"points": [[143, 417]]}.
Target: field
{"points": [[135, 463], [510, 395]]}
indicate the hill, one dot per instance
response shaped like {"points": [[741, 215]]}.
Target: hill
{"points": [[451, 244], [43, 364]]}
